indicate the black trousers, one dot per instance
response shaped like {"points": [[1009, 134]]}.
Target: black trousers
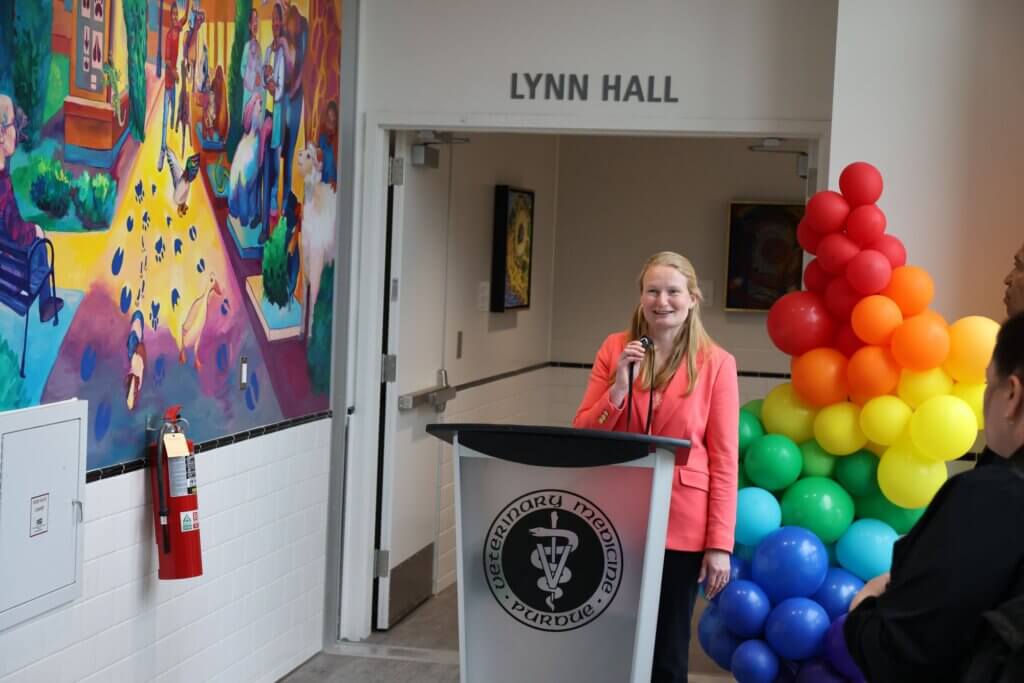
{"points": [[675, 610]]}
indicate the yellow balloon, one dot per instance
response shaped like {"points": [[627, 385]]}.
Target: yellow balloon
{"points": [[917, 387], [906, 480], [974, 396], [884, 419], [783, 412], [837, 429], [943, 428], [876, 448], [971, 341]]}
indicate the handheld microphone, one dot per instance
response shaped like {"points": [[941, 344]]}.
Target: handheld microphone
{"points": [[648, 345]]}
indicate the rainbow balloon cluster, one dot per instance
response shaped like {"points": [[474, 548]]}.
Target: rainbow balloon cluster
{"points": [[839, 462]]}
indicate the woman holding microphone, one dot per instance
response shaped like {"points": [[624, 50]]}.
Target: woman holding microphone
{"points": [[683, 386]]}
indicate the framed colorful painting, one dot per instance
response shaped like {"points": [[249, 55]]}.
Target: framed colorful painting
{"points": [[512, 252], [765, 260]]}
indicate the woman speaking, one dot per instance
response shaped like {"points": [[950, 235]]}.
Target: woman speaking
{"points": [[665, 375]]}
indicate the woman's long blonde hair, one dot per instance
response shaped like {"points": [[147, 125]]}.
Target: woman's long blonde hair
{"points": [[690, 344]]}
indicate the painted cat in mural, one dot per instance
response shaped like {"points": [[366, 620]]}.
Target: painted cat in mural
{"points": [[316, 236]]}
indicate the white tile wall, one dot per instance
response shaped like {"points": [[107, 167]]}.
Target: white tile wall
{"points": [[549, 396], [254, 615]]}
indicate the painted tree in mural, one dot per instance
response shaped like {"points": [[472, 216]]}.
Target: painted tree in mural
{"points": [[243, 8], [135, 30], [32, 19]]}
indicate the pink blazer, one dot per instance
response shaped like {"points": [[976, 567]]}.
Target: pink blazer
{"points": [[703, 510]]}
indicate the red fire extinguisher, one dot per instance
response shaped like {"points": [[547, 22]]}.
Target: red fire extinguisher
{"points": [[175, 500]]}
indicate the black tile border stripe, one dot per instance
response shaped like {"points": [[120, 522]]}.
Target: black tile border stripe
{"points": [[133, 465]]}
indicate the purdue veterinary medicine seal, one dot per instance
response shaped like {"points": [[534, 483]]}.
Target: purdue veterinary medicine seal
{"points": [[553, 560]]}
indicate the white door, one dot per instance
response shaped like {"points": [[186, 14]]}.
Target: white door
{"points": [[410, 458]]}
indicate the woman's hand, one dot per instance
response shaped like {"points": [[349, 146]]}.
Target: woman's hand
{"points": [[872, 589], [633, 353], [716, 568]]}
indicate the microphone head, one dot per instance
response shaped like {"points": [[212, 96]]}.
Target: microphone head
{"points": [[646, 342]]}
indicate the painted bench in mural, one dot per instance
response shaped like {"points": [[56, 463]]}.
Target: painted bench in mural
{"points": [[20, 283]]}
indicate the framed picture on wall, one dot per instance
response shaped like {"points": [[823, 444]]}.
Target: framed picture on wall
{"points": [[765, 260], [512, 252]]}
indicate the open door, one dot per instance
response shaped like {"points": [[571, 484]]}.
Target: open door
{"points": [[414, 342]]}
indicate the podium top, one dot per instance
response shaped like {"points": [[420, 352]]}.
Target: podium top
{"points": [[555, 446]]}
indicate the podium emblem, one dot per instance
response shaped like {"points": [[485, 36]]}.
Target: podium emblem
{"points": [[553, 560]]}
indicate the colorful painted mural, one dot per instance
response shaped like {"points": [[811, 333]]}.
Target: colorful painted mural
{"points": [[168, 184]]}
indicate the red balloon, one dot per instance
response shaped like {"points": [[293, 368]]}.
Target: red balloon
{"points": [[865, 225], [860, 183], [835, 251], [847, 342], [799, 322], [869, 272], [893, 250], [827, 211], [840, 298], [807, 236], [815, 277]]}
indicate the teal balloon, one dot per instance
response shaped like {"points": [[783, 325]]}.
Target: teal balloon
{"points": [[773, 462], [817, 461], [757, 515], [865, 549], [819, 505], [858, 473], [744, 552], [753, 407], [877, 506], [750, 430]]}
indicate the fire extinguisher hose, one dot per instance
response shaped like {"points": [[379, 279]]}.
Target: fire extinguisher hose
{"points": [[161, 494]]}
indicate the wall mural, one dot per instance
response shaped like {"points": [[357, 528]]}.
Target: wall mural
{"points": [[168, 177]]}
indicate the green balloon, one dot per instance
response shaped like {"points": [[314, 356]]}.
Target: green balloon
{"points": [[817, 461], [858, 473], [877, 506], [753, 407], [773, 462], [742, 481], [750, 430], [819, 505]]}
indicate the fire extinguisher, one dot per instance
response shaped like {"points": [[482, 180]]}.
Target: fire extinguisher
{"points": [[175, 500]]}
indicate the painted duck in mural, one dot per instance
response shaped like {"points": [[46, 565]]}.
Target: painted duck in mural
{"points": [[181, 179], [195, 321]]}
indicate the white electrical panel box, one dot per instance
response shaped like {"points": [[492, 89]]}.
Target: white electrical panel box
{"points": [[42, 488]]}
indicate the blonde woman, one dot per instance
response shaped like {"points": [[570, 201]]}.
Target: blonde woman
{"points": [[695, 397]]}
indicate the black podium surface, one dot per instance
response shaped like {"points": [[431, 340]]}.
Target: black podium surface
{"points": [[560, 540]]}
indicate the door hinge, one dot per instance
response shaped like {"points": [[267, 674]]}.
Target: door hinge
{"points": [[388, 367], [396, 170], [381, 568]]}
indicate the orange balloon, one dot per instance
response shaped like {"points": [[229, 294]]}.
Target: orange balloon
{"points": [[872, 371], [921, 342], [911, 288], [819, 376], [875, 318]]}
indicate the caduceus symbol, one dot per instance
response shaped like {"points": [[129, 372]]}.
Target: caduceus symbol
{"points": [[550, 556]]}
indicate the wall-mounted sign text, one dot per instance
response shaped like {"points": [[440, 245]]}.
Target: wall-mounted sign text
{"points": [[577, 87]]}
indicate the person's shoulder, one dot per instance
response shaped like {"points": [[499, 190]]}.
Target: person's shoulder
{"points": [[615, 340], [716, 357], [995, 485]]}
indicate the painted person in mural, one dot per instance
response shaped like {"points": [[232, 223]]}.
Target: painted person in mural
{"points": [[296, 34], [171, 42], [272, 132], [16, 232]]}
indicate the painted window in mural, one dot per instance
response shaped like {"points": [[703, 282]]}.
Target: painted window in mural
{"points": [[168, 175]]}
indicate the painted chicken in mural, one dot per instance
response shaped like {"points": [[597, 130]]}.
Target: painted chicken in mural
{"points": [[181, 179], [195, 321]]}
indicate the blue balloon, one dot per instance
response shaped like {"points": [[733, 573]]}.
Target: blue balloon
{"points": [[818, 671], [758, 513], [866, 548], [744, 608], [739, 568], [754, 662], [837, 591], [796, 628], [790, 562], [715, 638]]}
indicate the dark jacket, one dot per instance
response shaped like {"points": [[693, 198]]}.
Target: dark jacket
{"points": [[963, 557]]}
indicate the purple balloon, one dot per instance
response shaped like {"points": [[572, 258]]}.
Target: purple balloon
{"points": [[837, 652], [818, 671]]}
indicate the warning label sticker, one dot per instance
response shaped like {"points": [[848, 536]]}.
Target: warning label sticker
{"points": [[39, 519], [190, 521], [182, 475]]}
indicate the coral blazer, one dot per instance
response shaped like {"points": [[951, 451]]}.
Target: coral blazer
{"points": [[703, 509]]}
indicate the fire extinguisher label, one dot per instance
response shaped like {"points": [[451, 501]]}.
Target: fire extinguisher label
{"points": [[190, 521], [182, 476]]}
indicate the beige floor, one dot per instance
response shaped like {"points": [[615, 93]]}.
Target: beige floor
{"points": [[423, 648]]}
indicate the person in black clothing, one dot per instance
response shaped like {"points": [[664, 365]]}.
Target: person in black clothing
{"points": [[963, 558], [1013, 299]]}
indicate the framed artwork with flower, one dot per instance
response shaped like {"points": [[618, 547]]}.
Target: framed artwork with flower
{"points": [[765, 261], [512, 251]]}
